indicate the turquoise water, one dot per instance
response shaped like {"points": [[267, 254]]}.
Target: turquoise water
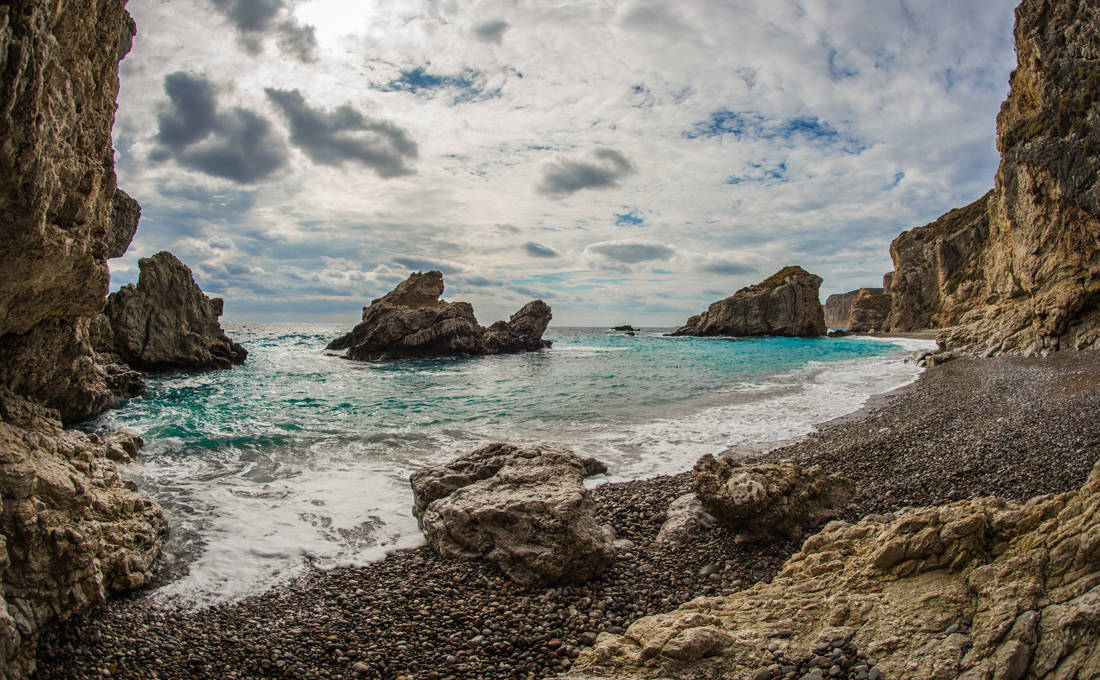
{"points": [[302, 457]]}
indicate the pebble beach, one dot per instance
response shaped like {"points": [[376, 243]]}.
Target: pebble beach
{"points": [[1011, 427]]}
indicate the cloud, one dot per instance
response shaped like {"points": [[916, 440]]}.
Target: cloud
{"points": [[727, 268], [539, 250], [257, 19], [628, 252], [567, 177], [239, 145], [425, 264], [491, 31], [345, 135]]}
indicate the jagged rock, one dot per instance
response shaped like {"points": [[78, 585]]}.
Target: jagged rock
{"points": [[1026, 274], [62, 214], [72, 531], [766, 501], [870, 312], [685, 518], [784, 304], [165, 321], [411, 322], [838, 334], [627, 327], [838, 307], [523, 509], [972, 590], [125, 215]]}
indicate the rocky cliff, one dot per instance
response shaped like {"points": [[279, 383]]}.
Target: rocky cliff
{"points": [[838, 307], [165, 322], [72, 531], [870, 312], [1021, 268], [411, 322], [976, 589], [784, 304]]}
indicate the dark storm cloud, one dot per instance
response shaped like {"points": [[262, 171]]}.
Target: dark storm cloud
{"points": [[239, 145], [727, 269], [632, 253], [258, 19], [345, 135], [568, 177], [539, 250], [491, 31]]}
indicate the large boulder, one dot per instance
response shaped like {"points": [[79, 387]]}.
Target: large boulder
{"points": [[977, 589], [411, 322], [525, 510], [165, 322], [784, 304], [72, 531], [1019, 271], [870, 312], [765, 501], [685, 519]]}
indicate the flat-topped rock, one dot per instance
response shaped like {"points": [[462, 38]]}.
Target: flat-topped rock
{"points": [[784, 304], [523, 509], [411, 322], [165, 322]]}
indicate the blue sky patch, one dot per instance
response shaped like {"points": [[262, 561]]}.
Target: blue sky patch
{"points": [[761, 173], [629, 219], [467, 86], [753, 125]]}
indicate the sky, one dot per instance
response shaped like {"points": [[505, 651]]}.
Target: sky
{"points": [[625, 161]]}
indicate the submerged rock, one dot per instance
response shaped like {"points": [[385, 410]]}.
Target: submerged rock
{"points": [[523, 509], [784, 304], [976, 589], [165, 321], [411, 322], [766, 501]]}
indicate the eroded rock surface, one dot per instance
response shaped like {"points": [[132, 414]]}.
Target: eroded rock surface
{"points": [[523, 509], [72, 531], [768, 500], [784, 304], [165, 321], [411, 322], [870, 312], [976, 589], [685, 520]]}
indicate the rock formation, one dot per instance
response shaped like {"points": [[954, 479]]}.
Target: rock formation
{"points": [[977, 589], [71, 531], [767, 501], [165, 321], [411, 322], [784, 304], [1019, 271], [838, 307], [685, 519], [870, 312], [523, 509]]}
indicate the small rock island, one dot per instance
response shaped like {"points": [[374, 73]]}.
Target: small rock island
{"points": [[411, 322], [784, 304]]}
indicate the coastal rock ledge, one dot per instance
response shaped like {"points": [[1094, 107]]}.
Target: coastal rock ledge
{"points": [[784, 304], [165, 322], [526, 510], [411, 322], [974, 590]]}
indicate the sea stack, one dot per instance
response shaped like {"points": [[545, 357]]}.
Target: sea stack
{"points": [[411, 322], [165, 322], [838, 307], [784, 304]]}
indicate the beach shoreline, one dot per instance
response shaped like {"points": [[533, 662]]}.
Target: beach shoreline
{"points": [[1010, 426]]}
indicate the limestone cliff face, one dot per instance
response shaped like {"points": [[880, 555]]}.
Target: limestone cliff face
{"points": [[976, 589], [71, 531], [62, 214], [165, 321], [1027, 276], [870, 311], [838, 308], [784, 304]]}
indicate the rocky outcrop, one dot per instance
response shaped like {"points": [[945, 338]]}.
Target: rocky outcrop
{"points": [[784, 304], [1026, 274], [411, 322], [838, 307], [766, 501], [72, 531], [977, 589], [523, 509], [165, 322], [870, 312]]}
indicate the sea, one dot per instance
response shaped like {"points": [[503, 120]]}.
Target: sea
{"points": [[302, 458]]}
